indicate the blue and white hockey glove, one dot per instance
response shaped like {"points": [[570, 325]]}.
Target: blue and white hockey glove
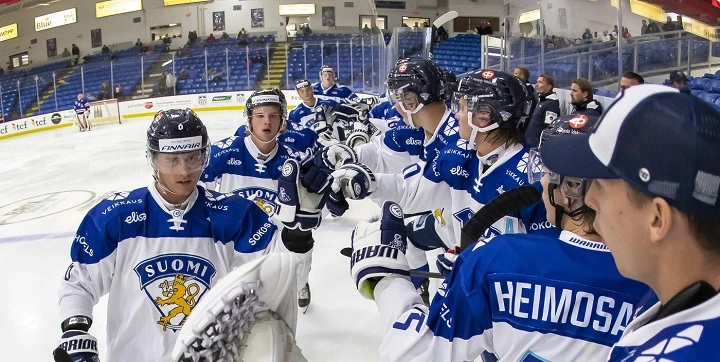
{"points": [[445, 262], [378, 250], [299, 208], [336, 203], [76, 346], [354, 180], [357, 134]]}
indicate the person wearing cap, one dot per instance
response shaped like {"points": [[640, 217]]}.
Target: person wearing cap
{"points": [[327, 89], [500, 300], [581, 92], [654, 160], [679, 81]]}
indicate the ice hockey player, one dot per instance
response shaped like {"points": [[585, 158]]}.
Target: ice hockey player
{"points": [[384, 115], [327, 89], [82, 112], [417, 87], [250, 166], [520, 297], [654, 161], [157, 250], [312, 108]]}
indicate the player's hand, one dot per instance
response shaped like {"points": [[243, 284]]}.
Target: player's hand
{"points": [[336, 203], [299, 207], [76, 346], [324, 119], [357, 134], [445, 262], [354, 180], [378, 250]]}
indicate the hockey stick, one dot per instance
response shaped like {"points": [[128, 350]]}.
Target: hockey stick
{"points": [[444, 18], [509, 201]]}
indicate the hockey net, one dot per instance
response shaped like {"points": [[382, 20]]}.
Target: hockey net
{"points": [[105, 111]]}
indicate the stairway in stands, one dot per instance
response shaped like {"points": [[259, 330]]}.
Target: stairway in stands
{"points": [[47, 94], [144, 89], [278, 62]]}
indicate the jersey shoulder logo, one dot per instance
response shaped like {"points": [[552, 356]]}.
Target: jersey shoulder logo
{"points": [[523, 163], [122, 195], [222, 144], [174, 283], [452, 127]]}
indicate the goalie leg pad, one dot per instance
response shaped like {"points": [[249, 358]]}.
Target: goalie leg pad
{"points": [[271, 340], [219, 324]]}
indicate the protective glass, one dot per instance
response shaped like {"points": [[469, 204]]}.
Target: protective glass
{"points": [[180, 163]]}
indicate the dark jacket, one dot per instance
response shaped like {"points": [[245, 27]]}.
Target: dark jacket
{"points": [[546, 111], [588, 108]]}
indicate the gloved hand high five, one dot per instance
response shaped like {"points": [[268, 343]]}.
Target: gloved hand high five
{"points": [[378, 250], [76, 346], [300, 203], [354, 180]]}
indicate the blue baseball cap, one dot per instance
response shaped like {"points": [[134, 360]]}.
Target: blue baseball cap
{"points": [[660, 141]]}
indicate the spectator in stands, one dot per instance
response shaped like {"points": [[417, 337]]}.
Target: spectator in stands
{"points": [[260, 41], [581, 93], [587, 35], [192, 72], [631, 79], [167, 40], [547, 110], [65, 53], [306, 30], [626, 33], [210, 38], [416, 26], [171, 82], [2, 71], [679, 24], [138, 43], [119, 91], [224, 36], [242, 33], [615, 33], [192, 37], [668, 26], [606, 36], [679, 81], [366, 30], [644, 28], [653, 28], [104, 92], [183, 73], [76, 54], [105, 49]]}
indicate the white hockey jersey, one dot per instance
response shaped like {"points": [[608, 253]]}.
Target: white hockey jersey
{"points": [[337, 93], [156, 264], [527, 298], [689, 335], [237, 166]]}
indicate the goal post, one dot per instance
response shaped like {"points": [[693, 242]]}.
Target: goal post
{"points": [[105, 111]]}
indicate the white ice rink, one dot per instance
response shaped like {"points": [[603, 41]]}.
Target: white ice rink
{"points": [[48, 181]]}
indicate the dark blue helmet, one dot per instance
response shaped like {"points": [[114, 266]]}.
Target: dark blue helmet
{"points": [[177, 130]]}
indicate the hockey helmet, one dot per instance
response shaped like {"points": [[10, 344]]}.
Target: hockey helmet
{"points": [[266, 97], [178, 131]]}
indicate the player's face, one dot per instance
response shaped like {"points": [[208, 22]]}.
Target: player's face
{"points": [[328, 77], [306, 94], [265, 122], [407, 100], [576, 94], [619, 221], [481, 118], [180, 172], [626, 83], [79, 96]]}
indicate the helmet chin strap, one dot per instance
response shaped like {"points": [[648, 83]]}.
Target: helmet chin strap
{"points": [[410, 114]]}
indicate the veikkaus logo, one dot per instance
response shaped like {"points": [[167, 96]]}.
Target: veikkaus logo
{"points": [[180, 144]]}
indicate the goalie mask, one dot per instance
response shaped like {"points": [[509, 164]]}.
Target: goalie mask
{"points": [[500, 96], [266, 97], [572, 187], [182, 134], [413, 84]]}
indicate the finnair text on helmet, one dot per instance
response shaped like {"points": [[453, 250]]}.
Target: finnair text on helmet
{"points": [[187, 147], [180, 144]]}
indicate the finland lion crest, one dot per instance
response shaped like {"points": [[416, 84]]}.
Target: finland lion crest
{"points": [[263, 197], [174, 283]]}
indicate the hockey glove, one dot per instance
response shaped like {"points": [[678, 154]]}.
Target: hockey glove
{"points": [[299, 208], [357, 134], [354, 180], [336, 203], [76, 346], [445, 262], [378, 250], [324, 119]]}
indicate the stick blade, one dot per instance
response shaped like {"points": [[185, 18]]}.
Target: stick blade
{"points": [[444, 18]]}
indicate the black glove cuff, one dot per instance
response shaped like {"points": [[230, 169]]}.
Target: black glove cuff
{"points": [[78, 322], [297, 241]]}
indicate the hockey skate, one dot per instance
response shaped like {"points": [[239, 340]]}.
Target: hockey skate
{"points": [[304, 297]]}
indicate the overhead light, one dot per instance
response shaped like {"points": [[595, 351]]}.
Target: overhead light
{"points": [[166, 63], [172, 24]]}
